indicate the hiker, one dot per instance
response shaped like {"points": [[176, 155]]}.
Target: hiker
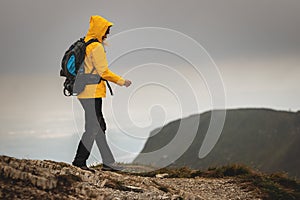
{"points": [[91, 97]]}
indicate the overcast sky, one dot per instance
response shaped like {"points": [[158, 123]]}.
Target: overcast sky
{"points": [[255, 45]]}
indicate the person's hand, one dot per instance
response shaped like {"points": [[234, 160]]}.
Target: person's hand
{"points": [[127, 83]]}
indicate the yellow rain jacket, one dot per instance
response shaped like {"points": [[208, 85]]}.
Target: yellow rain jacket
{"points": [[96, 57]]}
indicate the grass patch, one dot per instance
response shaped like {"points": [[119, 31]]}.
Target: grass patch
{"points": [[275, 186], [227, 171]]}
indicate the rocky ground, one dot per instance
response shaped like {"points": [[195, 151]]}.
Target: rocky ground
{"points": [[35, 179]]}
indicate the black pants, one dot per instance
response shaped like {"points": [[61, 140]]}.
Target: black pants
{"points": [[95, 128]]}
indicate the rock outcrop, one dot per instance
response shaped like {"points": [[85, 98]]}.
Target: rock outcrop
{"points": [[36, 179]]}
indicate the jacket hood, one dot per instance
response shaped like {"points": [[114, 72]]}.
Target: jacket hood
{"points": [[98, 27]]}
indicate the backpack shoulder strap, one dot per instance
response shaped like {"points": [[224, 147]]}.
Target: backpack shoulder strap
{"points": [[91, 41], [87, 44], [101, 79]]}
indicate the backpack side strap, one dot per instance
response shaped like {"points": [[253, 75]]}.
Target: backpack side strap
{"points": [[108, 85]]}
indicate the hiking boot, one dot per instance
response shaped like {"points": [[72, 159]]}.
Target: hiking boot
{"points": [[112, 167], [84, 167], [87, 169]]}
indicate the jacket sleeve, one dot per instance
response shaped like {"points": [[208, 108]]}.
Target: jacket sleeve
{"points": [[100, 63]]}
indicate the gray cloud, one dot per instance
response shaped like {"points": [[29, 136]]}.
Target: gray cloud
{"points": [[34, 34]]}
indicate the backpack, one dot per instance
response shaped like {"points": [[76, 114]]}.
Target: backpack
{"points": [[72, 69]]}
